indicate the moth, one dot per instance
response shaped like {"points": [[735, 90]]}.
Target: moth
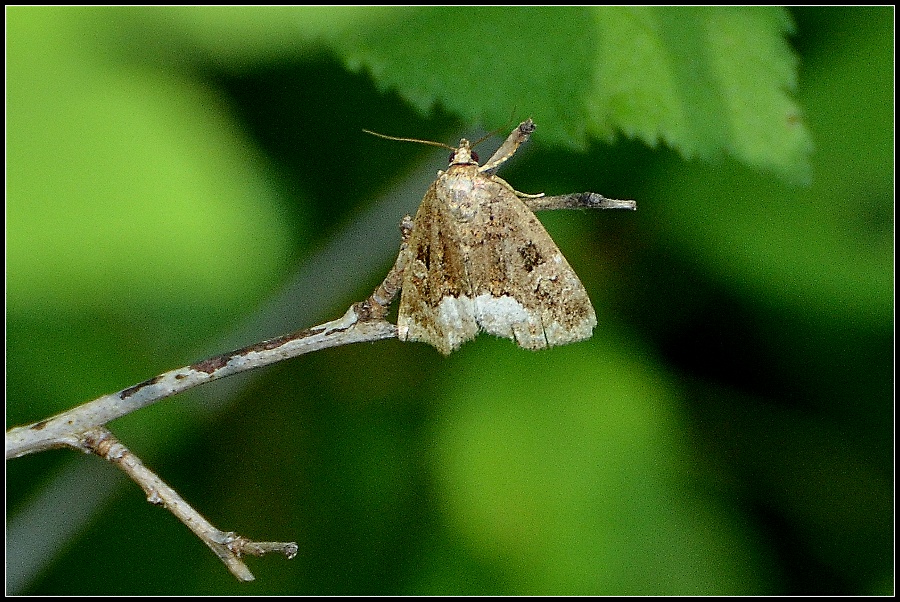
{"points": [[477, 259]]}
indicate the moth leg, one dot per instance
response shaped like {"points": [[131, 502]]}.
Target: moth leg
{"points": [[521, 195], [576, 200], [376, 306]]}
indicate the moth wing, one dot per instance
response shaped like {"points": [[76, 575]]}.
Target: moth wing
{"points": [[522, 286], [435, 301]]}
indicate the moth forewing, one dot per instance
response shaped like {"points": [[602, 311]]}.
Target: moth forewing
{"points": [[435, 290], [523, 286]]}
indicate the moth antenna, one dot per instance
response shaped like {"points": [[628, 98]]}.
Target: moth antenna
{"points": [[512, 116], [498, 130], [398, 139], [486, 136]]}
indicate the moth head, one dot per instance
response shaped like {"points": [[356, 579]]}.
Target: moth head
{"points": [[464, 155]]}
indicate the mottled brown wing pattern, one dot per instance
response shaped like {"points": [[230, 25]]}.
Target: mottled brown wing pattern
{"points": [[523, 286], [434, 281]]}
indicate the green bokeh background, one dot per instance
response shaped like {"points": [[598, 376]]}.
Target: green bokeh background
{"points": [[727, 430]]}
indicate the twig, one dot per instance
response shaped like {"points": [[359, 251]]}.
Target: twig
{"points": [[576, 200], [516, 138], [228, 546], [83, 427], [364, 321], [66, 429]]}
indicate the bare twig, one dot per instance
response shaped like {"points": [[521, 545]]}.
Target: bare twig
{"points": [[228, 546], [576, 200], [516, 138], [66, 429], [83, 427]]}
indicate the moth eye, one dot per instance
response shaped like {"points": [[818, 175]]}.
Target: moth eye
{"points": [[450, 158], [474, 156]]}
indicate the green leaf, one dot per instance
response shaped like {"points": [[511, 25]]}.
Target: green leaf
{"points": [[827, 249], [702, 80]]}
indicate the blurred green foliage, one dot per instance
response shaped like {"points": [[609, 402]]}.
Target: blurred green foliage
{"points": [[728, 429]]}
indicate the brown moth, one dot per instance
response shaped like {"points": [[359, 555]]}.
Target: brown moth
{"points": [[479, 259]]}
